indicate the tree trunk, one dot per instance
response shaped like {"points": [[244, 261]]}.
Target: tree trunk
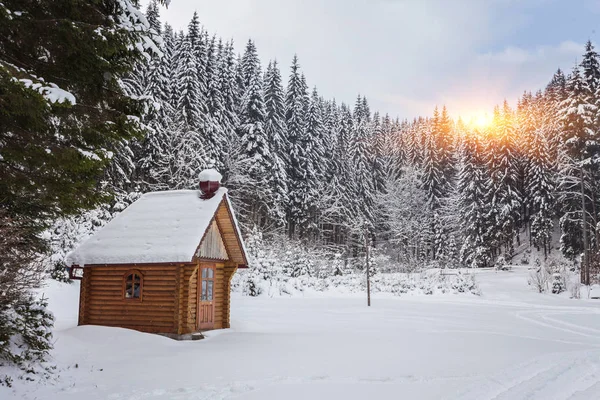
{"points": [[585, 268]]}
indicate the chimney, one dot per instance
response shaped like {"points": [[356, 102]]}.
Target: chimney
{"points": [[210, 182]]}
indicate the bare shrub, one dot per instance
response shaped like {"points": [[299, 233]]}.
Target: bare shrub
{"points": [[575, 290], [539, 277]]}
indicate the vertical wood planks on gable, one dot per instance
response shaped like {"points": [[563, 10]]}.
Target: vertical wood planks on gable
{"points": [[212, 246]]}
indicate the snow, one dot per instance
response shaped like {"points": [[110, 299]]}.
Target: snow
{"points": [[158, 227], [210, 175], [88, 154], [52, 93], [511, 343]]}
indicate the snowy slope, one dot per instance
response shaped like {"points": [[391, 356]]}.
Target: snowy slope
{"points": [[510, 343]]}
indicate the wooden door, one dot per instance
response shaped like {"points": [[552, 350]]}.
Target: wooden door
{"points": [[206, 306]]}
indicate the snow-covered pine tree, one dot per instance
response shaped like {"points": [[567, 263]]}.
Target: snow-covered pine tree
{"points": [[253, 187], [445, 142], [69, 85], [433, 174], [577, 115], [553, 96], [433, 185], [229, 120], [382, 149], [473, 184], [403, 203], [300, 172], [590, 67], [504, 193], [187, 93], [315, 133], [275, 130], [360, 153], [540, 186], [250, 65]]}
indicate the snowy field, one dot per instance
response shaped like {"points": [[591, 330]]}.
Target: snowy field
{"points": [[510, 343]]}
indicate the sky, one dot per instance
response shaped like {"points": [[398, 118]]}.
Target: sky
{"points": [[407, 56]]}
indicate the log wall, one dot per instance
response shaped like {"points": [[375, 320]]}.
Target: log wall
{"points": [[228, 272], [102, 299], [219, 295], [169, 297]]}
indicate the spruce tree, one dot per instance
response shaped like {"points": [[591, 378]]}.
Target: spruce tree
{"points": [[64, 113], [360, 153], [188, 103], [275, 130], [577, 134], [590, 66], [473, 186], [504, 192], [300, 172], [257, 153], [540, 187]]}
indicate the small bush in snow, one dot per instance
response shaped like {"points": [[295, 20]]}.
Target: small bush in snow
{"points": [[558, 285], [25, 338], [538, 278], [24, 322], [502, 265], [283, 267], [575, 290]]}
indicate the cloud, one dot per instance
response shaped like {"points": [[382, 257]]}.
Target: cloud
{"points": [[492, 77], [406, 56]]}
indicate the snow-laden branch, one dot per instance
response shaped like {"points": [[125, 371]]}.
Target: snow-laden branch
{"points": [[49, 91]]}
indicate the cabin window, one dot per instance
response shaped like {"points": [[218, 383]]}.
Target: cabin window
{"points": [[133, 285], [207, 284]]}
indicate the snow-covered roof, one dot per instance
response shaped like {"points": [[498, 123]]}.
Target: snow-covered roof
{"points": [[158, 227]]}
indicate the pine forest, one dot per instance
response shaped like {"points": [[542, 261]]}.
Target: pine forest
{"points": [[427, 191]]}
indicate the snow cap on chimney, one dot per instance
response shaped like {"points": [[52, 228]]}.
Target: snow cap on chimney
{"points": [[210, 182]]}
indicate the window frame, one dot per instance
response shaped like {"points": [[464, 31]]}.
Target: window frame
{"points": [[207, 279], [133, 273]]}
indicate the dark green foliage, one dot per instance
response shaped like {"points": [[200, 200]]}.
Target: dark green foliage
{"points": [[63, 114], [53, 154], [25, 336]]}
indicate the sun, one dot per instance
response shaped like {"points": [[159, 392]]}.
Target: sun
{"points": [[481, 120]]}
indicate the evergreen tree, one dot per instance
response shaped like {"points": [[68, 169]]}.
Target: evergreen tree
{"points": [[64, 112], [188, 85], [590, 66], [275, 131], [473, 189], [300, 172], [228, 88], [250, 65], [360, 151], [433, 174], [577, 118], [257, 154], [541, 191], [504, 192]]}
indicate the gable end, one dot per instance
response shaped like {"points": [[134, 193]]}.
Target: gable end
{"points": [[212, 245]]}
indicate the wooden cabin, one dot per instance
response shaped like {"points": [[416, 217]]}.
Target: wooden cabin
{"points": [[163, 265]]}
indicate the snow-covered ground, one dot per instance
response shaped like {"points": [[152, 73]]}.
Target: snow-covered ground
{"points": [[510, 343]]}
